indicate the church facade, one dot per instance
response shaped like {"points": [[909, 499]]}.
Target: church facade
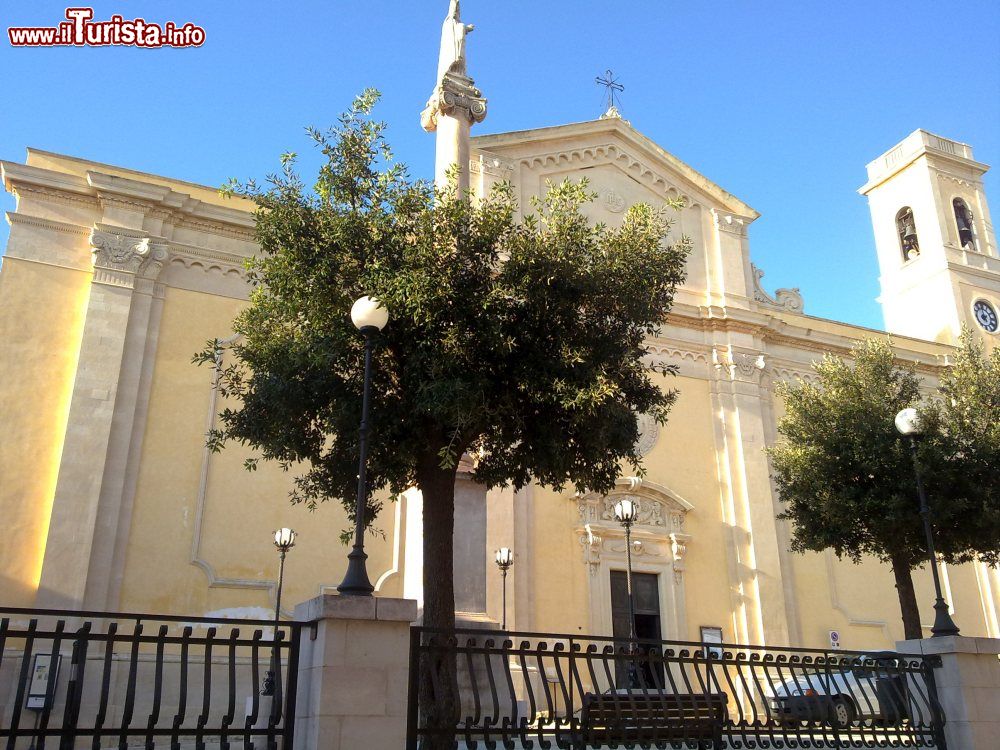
{"points": [[113, 278]]}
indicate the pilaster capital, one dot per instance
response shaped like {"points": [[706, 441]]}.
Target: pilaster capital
{"points": [[745, 366], [455, 96], [121, 256], [731, 223]]}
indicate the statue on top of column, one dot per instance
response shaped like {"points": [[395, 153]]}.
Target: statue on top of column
{"points": [[455, 93], [452, 58]]}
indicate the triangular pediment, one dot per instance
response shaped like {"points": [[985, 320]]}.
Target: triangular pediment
{"points": [[610, 144]]}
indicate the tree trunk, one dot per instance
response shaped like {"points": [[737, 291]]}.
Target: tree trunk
{"points": [[907, 600], [439, 699]]}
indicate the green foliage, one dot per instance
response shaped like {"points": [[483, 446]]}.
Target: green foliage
{"points": [[517, 340], [846, 477]]}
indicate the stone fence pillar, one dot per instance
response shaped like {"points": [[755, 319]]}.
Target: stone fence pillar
{"points": [[353, 672], [968, 685]]}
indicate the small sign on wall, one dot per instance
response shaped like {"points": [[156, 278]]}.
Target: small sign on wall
{"points": [[834, 639], [712, 635], [42, 687]]}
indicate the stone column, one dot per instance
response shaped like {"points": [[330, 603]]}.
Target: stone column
{"points": [[451, 111], [354, 672], [968, 687], [126, 264]]}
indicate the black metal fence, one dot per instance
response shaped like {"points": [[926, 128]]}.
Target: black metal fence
{"points": [[526, 690], [109, 680]]}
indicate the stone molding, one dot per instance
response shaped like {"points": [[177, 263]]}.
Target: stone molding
{"points": [[21, 190], [98, 190], [455, 96], [50, 224], [611, 153], [490, 164], [789, 300]]}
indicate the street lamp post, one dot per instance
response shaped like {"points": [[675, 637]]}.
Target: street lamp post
{"points": [[625, 513], [370, 317], [908, 424], [284, 540], [504, 558]]}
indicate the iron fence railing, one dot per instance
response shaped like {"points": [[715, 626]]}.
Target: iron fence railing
{"points": [[111, 680], [514, 690]]}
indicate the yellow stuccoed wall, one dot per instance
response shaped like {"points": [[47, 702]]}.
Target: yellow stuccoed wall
{"points": [[240, 509], [683, 459], [41, 318]]}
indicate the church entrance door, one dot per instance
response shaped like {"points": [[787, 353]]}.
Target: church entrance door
{"points": [[646, 596]]}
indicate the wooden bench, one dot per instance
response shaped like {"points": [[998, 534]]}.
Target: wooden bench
{"points": [[632, 716]]}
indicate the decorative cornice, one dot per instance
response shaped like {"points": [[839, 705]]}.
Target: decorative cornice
{"points": [[667, 351], [219, 228], [613, 154], [50, 224], [48, 195], [789, 300]]}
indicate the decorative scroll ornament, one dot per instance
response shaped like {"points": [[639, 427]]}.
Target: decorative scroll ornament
{"points": [[678, 547], [592, 544], [789, 300]]}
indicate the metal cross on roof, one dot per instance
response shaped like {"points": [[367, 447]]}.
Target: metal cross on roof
{"points": [[614, 88]]}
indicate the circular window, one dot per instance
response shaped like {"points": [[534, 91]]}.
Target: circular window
{"points": [[986, 316]]}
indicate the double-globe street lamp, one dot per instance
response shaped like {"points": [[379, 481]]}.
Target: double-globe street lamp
{"points": [[504, 558], [908, 424], [626, 511], [284, 540], [369, 316]]}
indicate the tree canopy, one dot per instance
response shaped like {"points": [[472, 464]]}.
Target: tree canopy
{"points": [[517, 340], [846, 477]]}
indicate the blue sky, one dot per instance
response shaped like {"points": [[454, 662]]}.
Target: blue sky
{"points": [[781, 103]]}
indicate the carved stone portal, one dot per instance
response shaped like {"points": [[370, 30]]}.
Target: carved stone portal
{"points": [[658, 531]]}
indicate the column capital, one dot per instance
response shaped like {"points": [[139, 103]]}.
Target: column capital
{"points": [[120, 256], [455, 96]]}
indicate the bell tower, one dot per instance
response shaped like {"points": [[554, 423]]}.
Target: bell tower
{"points": [[937, 250]]}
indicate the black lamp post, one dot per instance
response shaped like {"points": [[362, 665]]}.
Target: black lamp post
{"points": [[504, 558], [370, 317], [625, 512], [908, 424], [284, 540]]}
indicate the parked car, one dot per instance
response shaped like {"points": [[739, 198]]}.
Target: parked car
{"points": [[870, 688]]}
